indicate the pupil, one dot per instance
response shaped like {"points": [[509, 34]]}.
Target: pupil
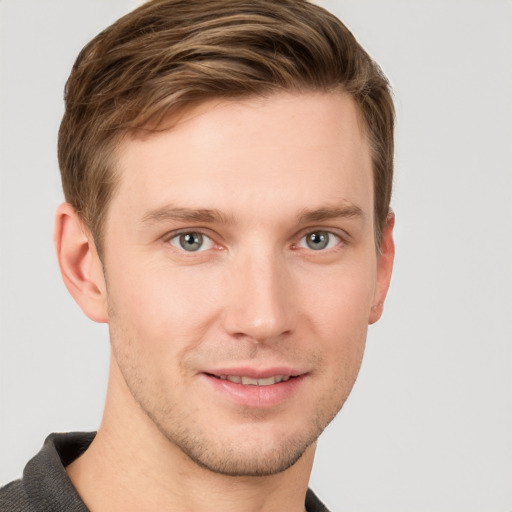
{"points": [[191, 241], [317, 241]]}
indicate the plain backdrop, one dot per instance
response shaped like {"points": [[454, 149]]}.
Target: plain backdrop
{"points": [[428, 426]]}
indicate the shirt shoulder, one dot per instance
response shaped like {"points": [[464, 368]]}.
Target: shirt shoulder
{"points": [[13, 498], [45, 486], [313, 503]]}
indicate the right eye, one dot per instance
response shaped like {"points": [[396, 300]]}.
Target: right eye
{"points": [[191, 241], [319, 240]]}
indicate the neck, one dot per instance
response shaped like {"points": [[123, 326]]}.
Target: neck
{"points": [[132, 466]]}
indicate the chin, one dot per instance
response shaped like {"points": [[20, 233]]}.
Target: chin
{"points": [[251, 449], [242, 461]]}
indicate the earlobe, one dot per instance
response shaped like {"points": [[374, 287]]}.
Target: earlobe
{"points": [[79, 263], [384, 269]]}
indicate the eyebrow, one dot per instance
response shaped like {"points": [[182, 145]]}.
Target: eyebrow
{"points": [[168, 213], [214, 216], [329, 213]]}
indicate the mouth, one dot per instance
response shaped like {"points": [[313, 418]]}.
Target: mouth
{"points": [[250, 381], [252, 388]]}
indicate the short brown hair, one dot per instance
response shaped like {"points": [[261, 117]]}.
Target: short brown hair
{"points": [[169, 55]]}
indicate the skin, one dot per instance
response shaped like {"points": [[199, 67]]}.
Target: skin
{"points": [[255, 296]]}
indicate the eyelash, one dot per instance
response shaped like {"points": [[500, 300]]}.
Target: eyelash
{"points": [[203, 236], [332, 236]]}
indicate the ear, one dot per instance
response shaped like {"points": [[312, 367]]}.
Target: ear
{"points": [[384, 269], [80, 265]]}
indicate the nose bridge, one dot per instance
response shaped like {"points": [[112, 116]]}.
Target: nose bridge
{"points": [[259, 296]]}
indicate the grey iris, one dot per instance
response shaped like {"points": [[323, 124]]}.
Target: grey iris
{"points": [[318, 240], [191, 241]]}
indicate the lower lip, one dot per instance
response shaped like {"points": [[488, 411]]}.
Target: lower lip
{"points": [[257, 396]]}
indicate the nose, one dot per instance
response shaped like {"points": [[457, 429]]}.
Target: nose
{"points": [[259, 298]]}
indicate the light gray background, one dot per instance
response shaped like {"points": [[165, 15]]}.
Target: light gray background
{"points": [[429, 424]]}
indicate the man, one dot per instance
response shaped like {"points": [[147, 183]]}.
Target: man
{"points": [[227, 167]]}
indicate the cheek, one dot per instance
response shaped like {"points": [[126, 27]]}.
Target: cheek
{"points": [[337, 304], [340, 297], [161, 304], [157, 319]]}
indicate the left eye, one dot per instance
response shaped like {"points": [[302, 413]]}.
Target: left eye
{"points": [[191, 242], [319, 240]]}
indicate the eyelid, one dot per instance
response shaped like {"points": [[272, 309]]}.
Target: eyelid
{"points": [[342, 237], [189, 229], [184, 231]]}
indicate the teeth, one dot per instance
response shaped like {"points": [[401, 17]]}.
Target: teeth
{"points": [[249, 381], [267, 382]]}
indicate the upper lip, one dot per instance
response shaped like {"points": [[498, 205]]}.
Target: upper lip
{"points": [[256, 373]]}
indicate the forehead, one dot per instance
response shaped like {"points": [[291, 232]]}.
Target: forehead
{"points": [[291, 150]]}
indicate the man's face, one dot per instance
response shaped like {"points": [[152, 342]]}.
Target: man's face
{"points": [[241, 273]]}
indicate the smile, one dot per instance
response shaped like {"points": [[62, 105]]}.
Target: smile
{"points": [[249, 381], [256, 388]]}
